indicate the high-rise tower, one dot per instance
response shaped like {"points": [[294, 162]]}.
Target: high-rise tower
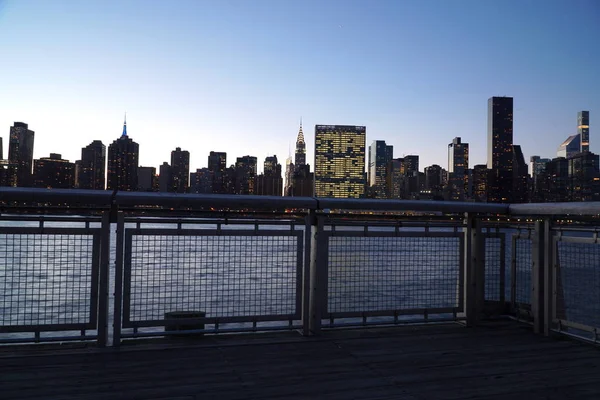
{"points": [[340, 161], [20, 155], [583, 128], [123, 155], [300, 156], [380, 155], [500, 150], [458, 165], [93, 166], [217, 164], [180, 170]]}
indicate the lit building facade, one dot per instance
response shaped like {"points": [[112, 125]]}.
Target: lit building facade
{"points": [[500, 150], [217, 163], [201, 181], [20, 155], [92, 167], [340, 161], [245, 175], [583, 129], [53, 172], [123, 156], [458, 166], [380, 155], [180, 170], [270, 182]]}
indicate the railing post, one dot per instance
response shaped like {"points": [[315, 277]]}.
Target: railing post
{"points": [[103, 281], [316, 295], [549, 289], [474, 270], [118, 300], [538, 253], [310, 221]]}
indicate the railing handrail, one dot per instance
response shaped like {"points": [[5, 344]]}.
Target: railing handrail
{"points": [[123, 198]]}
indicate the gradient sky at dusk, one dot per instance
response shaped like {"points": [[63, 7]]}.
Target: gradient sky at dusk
{"points": [[236, 76]]}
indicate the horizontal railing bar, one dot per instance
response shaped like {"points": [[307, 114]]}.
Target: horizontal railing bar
{"points": [[48, 231], [46, 328], [575, 325], [394, 224], [391, 313], [127, 335], [211, 232], [224, 221], [422, 320], [582, 240], [423, 234], [210, 320], [48, 339], [70, 196], [572, 208], [50, 218]]}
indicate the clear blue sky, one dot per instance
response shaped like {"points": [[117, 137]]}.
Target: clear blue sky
{"points": [[236, 76]]}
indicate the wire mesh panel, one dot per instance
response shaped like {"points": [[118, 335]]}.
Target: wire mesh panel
{"points": [[495, 275], [227, 276], [393, 273], [48, 279], [522, 270], [577, 283]]}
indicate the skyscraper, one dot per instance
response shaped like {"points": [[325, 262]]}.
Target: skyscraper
{"points": [[583, 128], [92, 166], [520, 176], [380, 155], [302, 180], [300, 155], [53, 172], [180, 170], [201, 181], [458, 166], [480, 177], [217, 163], [164, 177], [270, 182], [147, 180], [20, 155], [340, 161], [500, 150], [569, 147], [123, 155], [245, 175]]}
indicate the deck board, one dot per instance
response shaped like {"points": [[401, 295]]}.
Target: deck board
{"points": [[498, 360]]}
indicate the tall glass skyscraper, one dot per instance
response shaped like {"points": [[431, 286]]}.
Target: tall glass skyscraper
{"points": [[380, 155], [340, 161], [500, 149], [583, 129], [458, 165]]}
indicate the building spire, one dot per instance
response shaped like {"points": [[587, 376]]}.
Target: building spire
{"points": [[125, 125], [300, 138]]}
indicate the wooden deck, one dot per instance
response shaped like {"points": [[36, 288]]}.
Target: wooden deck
{"points": [[497, 361]]}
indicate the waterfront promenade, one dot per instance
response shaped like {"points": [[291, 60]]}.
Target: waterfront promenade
{"points": [[496, 360]]}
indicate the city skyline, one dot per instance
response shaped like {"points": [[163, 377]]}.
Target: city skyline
{"points": [[235, 77], [304, 150]]}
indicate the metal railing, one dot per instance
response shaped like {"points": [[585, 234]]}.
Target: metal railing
{"points": [[154, 264]]}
